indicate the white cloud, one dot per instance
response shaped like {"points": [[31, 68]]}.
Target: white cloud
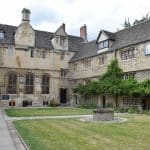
{"points": [[97, 14]]}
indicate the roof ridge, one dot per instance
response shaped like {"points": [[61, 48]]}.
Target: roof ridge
{"points": [[43, 31], [132, 26], [8, 25]]}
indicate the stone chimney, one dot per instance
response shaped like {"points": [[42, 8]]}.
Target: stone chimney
{"points": [[83, 33], [63, 26], [26, 15]]}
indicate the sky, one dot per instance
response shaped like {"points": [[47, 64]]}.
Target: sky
{"points": [[48, 15]]}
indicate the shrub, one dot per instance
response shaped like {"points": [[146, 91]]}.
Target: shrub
{"points": [[109, 105], [89, 105], [121, 109], [147, 112], [53, 103], [133, 109]]}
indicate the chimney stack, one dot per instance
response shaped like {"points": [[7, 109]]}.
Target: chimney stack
{"points": [[26, 15], [83, 33], [63, 26]]}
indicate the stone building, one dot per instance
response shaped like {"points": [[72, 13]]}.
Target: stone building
{"points": [[37, 66], [131, 47], [34, 64]]}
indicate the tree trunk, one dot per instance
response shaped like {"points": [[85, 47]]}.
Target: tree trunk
{"points": [[116, 100]]}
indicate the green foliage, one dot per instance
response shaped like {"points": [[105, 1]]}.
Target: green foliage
{"points": [[127, 23], [112, 83], [53, 103], [147, 112], [120, 109], [127, 86], [89, 105], [133, 109], [142, 89]]}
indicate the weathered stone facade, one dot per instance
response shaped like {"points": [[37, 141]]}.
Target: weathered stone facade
{"points": [[24, 55], [38, 66]]}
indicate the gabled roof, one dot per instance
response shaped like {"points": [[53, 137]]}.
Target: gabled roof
{"points": [[42, 38], [85, 50], [130, 36], [9, 34], [133, 35], [110, 35]]}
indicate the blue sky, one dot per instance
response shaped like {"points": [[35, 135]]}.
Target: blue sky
{"points": [[48, 15]]}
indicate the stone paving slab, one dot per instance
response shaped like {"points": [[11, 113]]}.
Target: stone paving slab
{"points": [[17, 139], [6, 142]]}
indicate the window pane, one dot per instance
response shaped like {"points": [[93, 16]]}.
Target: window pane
{"points": [[29, 83], [45, 84], [1, 35], [12, 83]]}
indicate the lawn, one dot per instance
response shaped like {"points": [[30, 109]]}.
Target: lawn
{"points": [[72, 134], [28, 112]]}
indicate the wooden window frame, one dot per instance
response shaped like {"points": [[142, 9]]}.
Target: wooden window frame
{"points": [[29, 83], [12, 83], [45, 84], [2, 35], [102, 44]]}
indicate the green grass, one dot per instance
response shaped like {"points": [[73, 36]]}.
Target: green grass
{"points": [[72, 134], [27, 112]]}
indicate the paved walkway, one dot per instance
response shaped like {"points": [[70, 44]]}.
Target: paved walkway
{"points": [[6, 142], [46, 117]]}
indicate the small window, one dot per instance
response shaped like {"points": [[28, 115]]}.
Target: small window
{"points": [[29, 83], [1, 35], [87, 63], [102, 59], [75, 67], [128, 54], [103, 44], [10, 51], [131, 101], [147, 49], [128, 75], [45, 84], [43, 54], [63, 73], [12, 83], [57, 40], [32, 53]]}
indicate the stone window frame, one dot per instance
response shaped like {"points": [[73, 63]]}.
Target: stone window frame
{"points": [[29, 83], [129, 75], [63, 73], [45, 83], [32, 53], [75, 67], [128, 53], [87, 63], [2, 34], [102, 59], [131, 101], [12, 83]]}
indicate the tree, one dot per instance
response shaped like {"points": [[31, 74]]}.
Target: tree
{"points": [[111, 80], [142, 89], [144, 18], [127, 23], [112, 83], [107, 84]]}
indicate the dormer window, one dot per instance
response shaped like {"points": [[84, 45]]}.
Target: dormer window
{"points": [[103, 44], [1, 35]]}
